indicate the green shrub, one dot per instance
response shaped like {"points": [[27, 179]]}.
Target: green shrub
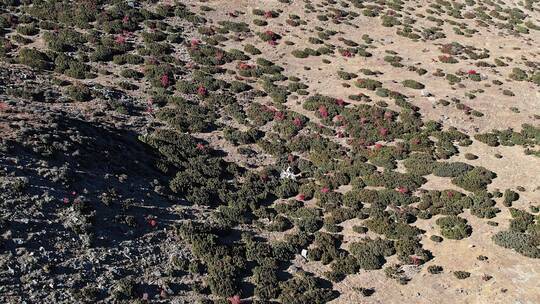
{"points": [[300, 53], [156, 74], [346, 75], [124, 289], [524, 243], [287, 188], [64, 40], [280, 224], [451, 169], [371, 253], [236, 27], [28, 30], [251, 49], [128, 58], [419, 164], [102, 53], [266, 282], [518, 74], [260, 22], [482, 205], [409, 83], [489, 139], [475, 77], [370, 84], [79, 93], [309, 223], [395, 272], [34, 58], [304, 289], [186, 117], [259, 114], [434, 269], [476, 179], [535, 78], [447, 202], [360, 229], [314, 40], [365, 292], [436, 238], [393, 180], [482, 258], [278, 93], [392, 59], [71, 67], [461, 274], [509, 197], [508, 93], [221, 277], [342, 267], [452, 78], [470, 156], [238, 87], [130, 73], [454, 227]]}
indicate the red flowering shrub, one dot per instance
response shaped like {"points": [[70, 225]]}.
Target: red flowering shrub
{"points": [[244, 66], [269, 35], [120, 39], [346, 53], [402, 190], [279, 116], [164, 80], [194, 43], [202, 91], [323, 111], [235, 299]]}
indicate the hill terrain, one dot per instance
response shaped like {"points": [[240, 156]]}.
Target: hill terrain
{"points": [[280, 151]]}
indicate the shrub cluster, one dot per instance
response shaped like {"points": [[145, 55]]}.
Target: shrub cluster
{"points": [[454, 227], [523, 235], [34, 58], [413, 84], [474, 180]]}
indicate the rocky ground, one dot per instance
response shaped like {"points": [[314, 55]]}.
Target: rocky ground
{"points": [[269, 152]]}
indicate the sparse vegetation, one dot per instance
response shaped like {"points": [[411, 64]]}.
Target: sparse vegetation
{"points": [[212, 153]]}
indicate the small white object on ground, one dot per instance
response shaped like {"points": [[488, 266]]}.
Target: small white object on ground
{"points": [[287, 174], [425, 93]]}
